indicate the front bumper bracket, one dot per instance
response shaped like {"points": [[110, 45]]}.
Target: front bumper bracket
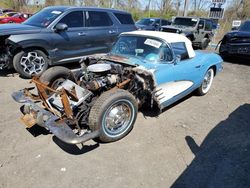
{"points": [[50, 121]]}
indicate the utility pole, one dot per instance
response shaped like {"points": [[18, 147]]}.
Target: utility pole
{"points": [[149, 4], [186, 6]]}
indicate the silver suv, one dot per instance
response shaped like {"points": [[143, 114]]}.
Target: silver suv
{"points": [[198, 30]]}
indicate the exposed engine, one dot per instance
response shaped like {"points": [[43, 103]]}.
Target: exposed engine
{"points": [[102, 76], [69, 105]]}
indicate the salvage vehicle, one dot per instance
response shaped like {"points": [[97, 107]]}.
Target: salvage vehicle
{"points": [[236, 43], [101, 99], [151, 24], [198, 30], [16, 18], [60, 34]]}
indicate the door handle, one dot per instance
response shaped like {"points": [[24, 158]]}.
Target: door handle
{"points": [[112, 31], [82, 34], [198, 66]]}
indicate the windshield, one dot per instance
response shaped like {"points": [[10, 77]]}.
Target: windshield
{"points": [[188, 22], [147, 49], [245, 26], [148, 21], [44, 17]]}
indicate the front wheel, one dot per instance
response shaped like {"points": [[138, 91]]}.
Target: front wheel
{"points": [[30, 62], [206, 83], [114, 114]]}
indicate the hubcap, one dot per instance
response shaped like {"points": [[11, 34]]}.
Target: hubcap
{"points": [[207, 82], [117, 118], [32, 63]]}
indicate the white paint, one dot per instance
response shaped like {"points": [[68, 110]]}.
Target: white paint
{"points": [[168, 90], [168, 37]]}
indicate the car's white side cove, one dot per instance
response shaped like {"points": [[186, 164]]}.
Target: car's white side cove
{"points": [[168, 90]]}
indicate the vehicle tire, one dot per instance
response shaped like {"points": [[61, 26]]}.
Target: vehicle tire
{"points": [[54, 76], [114, 114], [206, 83], [204, 43], [30, 62]]}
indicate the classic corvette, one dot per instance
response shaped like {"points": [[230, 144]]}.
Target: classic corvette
{"points": [[101, 99]]}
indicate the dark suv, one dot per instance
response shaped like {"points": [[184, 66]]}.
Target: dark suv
{"points": [[198, 30], [58, 35], [236, 43], [151, 24]]}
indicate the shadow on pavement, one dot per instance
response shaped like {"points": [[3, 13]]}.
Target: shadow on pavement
{"points": [[147, 111], [37, 130], [238, 60], [74, 149], [8, 73], [223, 158]]}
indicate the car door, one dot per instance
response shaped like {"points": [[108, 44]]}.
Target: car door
{"points": [[200, 31], [101, 31], [177, 78], [70, 44]]}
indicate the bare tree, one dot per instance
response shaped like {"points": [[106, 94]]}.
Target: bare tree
{"points": [[164, 6], [201, 4]]}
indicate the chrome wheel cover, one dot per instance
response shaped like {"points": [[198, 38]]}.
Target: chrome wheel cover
{"points": [[207, 82], [32, 63], [118, 118]]}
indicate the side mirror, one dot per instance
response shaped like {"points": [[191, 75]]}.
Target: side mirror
{"points": [[61, 27]]}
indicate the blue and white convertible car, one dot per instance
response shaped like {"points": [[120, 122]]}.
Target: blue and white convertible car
{"points": [[101, 99]]}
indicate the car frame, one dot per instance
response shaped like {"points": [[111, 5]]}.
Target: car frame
{"points": [[101, 99]]}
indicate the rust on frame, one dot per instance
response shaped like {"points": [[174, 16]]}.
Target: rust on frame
{"points": [[66, 104]]}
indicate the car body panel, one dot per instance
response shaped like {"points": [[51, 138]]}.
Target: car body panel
{"points": [[173, 80], [236, 43]]}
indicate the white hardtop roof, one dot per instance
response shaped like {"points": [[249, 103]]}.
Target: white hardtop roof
{"points": [[168, 37]]}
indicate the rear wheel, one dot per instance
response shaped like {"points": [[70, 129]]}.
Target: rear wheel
{"points": [[114, 114], [30, 62], [54, 77], [207, 82]]}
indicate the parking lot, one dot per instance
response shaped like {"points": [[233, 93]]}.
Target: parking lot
{"points": [[198, 142]]}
